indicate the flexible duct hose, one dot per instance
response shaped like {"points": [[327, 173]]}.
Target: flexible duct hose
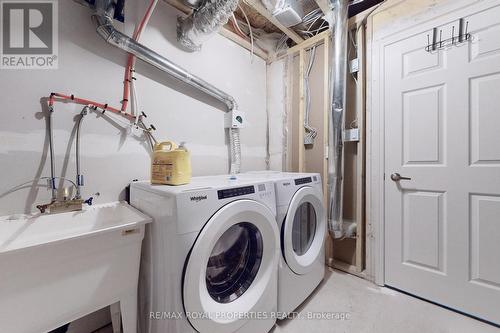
{"points": [[234, 141], [195, 29]]}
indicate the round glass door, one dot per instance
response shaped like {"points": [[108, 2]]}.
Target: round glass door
{"points": [[232, 267], [234, 262], [304, 228]]}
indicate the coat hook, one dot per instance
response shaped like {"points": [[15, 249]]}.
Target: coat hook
{"points": [[440, 38], [453, 35], [461, 30], [467, 30], [434, 39]]}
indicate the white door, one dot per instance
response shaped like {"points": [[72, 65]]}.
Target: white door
{"points": [[232, 267], [442, 130], [303, 231]]}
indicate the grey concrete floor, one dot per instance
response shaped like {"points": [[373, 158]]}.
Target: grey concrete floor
{"points": [[357, 306]]}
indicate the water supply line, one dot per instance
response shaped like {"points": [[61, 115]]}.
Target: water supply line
{"points": [[338, 74], [52, 157], [79, 176], [107, 31]]}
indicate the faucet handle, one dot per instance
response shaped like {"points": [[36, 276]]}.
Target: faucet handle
{"points": [[89, 201]]}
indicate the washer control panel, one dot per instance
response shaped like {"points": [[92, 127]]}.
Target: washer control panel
{"points": [[235, 192]]}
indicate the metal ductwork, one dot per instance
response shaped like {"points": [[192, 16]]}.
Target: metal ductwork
{"points": [[107, 31], [204, 22], [336, 117]]}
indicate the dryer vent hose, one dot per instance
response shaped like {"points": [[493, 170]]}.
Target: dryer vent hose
{"points": [[234, 140]]}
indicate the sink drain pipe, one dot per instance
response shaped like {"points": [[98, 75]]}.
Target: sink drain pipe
{"points": [[107, 31], [339, 31]]}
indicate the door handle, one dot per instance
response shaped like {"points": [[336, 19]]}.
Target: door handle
{"points": [[397, 177]]}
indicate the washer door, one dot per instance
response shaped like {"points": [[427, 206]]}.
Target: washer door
{"points": [[230, 267], [303, 230]]}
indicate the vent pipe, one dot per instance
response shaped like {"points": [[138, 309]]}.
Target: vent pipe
{"points": [[107, 31], [338, 75]]}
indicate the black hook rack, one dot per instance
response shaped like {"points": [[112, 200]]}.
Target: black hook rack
{"points": [[462, 37]]}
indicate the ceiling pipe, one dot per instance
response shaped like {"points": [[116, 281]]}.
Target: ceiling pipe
{"points": [[338, 79], [107, 31]]}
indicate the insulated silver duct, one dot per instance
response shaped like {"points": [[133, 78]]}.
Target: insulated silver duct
{"points": [[204, 22], [114, 37], [336, 116]]}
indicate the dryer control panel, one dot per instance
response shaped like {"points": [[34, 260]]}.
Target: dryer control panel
{"points": [[235, 192], [305, 180]]}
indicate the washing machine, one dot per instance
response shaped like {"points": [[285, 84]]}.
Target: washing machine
{"points": [[210, 256], [301, 218]]}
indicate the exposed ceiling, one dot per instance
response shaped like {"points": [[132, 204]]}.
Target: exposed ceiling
{"points": [[362, 6]]}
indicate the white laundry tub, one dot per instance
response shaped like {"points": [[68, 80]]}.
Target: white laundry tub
{"points": [[57, 268]]}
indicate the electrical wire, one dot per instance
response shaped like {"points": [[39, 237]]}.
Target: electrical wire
{"points": [[281, 43], [251, 32], [311, 132], [234, 23], [355, 45]]}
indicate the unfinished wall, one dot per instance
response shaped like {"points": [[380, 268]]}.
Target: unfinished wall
{"points": [[111, 158], [276, 107]]}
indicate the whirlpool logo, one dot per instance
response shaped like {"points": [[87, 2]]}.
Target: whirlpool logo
{"points": [[198, 198], [29, 38]]}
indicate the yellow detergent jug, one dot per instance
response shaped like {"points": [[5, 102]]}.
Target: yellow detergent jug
{"points": [[170, 165]]}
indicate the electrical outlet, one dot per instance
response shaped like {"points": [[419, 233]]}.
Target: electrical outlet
{"points": [[351, 135], [354, 65]]}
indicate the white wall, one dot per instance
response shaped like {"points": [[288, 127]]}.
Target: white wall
{"points": [[90, 68]]}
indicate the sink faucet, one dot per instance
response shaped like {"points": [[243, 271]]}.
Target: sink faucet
{"points": [[76, 203]]}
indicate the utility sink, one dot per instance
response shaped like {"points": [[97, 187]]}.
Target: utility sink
{"points": [[57, 268]]}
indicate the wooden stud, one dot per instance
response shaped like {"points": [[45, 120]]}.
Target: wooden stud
{"points": [[180, 6], [308, 43], [257, 5], [288, 121], [345, 267], [244, 43], [326, 110], [360, 169], [302, 55]]}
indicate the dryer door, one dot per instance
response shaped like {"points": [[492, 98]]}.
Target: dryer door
{"points": [[303, 231], [232, 265]]}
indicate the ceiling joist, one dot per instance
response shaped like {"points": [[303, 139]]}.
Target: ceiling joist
{"points": [[323, 5]]}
